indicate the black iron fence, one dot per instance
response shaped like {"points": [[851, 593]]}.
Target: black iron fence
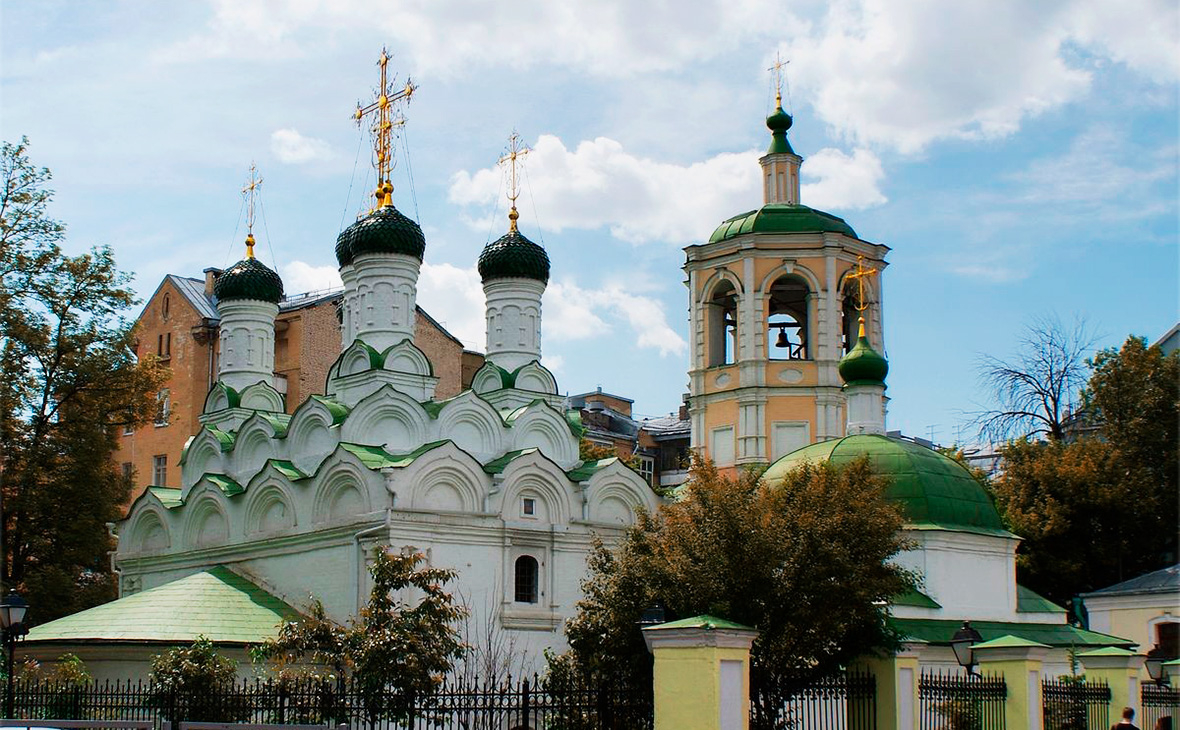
{"points": [[846, 701], [526, 704], [961, 702], [1158, 702], [1071, 703]]}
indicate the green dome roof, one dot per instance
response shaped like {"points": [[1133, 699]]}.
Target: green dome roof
{"points": [[781, 218], [513, 255], [385, 230], [934, 491], [778, 123], [248, 279], [863, 365]]}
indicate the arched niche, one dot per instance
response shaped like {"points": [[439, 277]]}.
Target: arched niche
{"points": [[488, 378], [788, 318], [262, 396], [341, 495], [534, 377], [387, 418], [311, 435], [204, 455], [252, 447], [356, 358], [852, 308], [541, 427], [535, 477], [473, 425], [149, 533], [404, 357], [207, 524], [721, 317], [269, 510]]}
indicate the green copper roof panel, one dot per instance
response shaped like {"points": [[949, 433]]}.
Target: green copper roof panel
{"points": [[1030, 602], [249, 279], [217, 603], [495, 466], [781, 218], [701, 622], [915, 598], [278, 422], [1108, 651], [934, 491], [228, 486], [168, 496], [589, 468], [287, 469], [1008, 641], [512, 255], [375, 457], [337, 410], [936, 631]]}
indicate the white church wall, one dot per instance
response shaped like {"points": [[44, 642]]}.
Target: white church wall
{"points": [[973, 577]]}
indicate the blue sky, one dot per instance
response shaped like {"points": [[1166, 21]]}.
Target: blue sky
{"points": [[1020, 159]]}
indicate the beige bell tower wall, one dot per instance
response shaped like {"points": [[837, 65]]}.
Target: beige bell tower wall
{"points": [[756, 406]]}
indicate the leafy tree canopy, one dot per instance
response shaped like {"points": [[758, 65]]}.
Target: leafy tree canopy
{"points": [[804, 561], [68, 379]]}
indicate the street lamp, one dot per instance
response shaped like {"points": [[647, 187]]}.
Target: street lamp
{"points": [[1154, 664], [12, 624], [961, 644]]}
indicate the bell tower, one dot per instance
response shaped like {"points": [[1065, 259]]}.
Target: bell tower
{"points": [[775, 296]]}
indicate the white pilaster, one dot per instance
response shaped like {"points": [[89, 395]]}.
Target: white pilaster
{"points": [[513, 313], [247, 346], [348, 307]]}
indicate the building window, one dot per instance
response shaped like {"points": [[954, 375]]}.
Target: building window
{"points": [[159, 470], [163, 407], [786, 319], [128, 470], [527, 571], [721, 446], [164, 345], [528, 507], [646, 466], [1167, 636], [128, 429], [722, 324], [166, 306]]}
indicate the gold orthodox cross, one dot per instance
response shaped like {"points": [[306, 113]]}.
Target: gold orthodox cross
{"points": [[516, 150], [777, 70], [859, 274], [250, 192], [381, 109]]}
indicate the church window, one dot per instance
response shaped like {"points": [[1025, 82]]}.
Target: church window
{"points": [[528, 507], [721, 317], [787, 330], [159, 470], [526, 581], [166, 306]]}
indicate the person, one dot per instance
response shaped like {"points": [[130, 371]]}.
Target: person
{"points": [[1127, 722], [1164, 723]]}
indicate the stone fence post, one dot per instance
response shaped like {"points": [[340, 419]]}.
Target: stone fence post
{"points": [[897, 688], [1021, 663], [702, 674], [1120, 669]]}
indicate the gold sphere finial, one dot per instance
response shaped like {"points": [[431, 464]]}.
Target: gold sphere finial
{"points": [[249, 245], [512, 218]]}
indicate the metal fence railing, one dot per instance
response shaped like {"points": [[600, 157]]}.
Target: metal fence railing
{"points": [[1069, 703], [845, 701], [961, 702], [1158, 702], [525, 703]]}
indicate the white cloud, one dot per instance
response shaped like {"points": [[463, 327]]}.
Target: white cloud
{"points": [[844, 181], [292, 148], [300, 277], [601, 184], [574, 313], [454, 297]]}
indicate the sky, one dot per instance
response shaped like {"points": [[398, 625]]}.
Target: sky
{"points": [[1020, 159]]}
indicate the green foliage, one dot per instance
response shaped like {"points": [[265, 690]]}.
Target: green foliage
{"points": [[401, 646], [68, 379], [804, 561], [1100, 509], [195, 683], [68, 670]]}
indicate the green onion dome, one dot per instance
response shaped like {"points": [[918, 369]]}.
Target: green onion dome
{"points": [[385, 230], [513, 256], [778, 123], [934, 491], [248, 279], [863, 365]]}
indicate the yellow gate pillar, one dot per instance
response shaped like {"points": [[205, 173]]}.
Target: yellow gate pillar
{"points": [[1119, 668], [702, 674], [1020, 661], [897, 688]]}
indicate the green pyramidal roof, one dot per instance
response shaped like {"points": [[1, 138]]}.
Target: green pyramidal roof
{"points": [[934, 491], [781, 218], [216, 603]]}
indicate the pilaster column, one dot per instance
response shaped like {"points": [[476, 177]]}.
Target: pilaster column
{"points": [[1119, 668], [1020, 661], [897, 688], [701, 678]]}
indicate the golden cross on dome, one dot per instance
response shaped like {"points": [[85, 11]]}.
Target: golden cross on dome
{"points": [[859, 274], [777, 70], [381, 110], [516, 150], [250, 192]]}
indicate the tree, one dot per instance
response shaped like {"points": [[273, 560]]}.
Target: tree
{"points": [[400, 647], [1102, 508], [196, 684], [805, 561], [68, 379], [1036, 391]]}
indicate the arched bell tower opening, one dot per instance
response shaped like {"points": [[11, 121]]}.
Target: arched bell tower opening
{"points": [[722, 324], [787, 335], [849, 313]]}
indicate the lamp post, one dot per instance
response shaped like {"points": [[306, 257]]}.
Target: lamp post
{"points": [[961, 644], [12, 624], [1154, 664]]}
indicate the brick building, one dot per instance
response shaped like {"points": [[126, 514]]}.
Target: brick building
{"points": [[179, 324]]}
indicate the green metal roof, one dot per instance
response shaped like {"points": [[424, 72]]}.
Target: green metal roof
{"points": [[1029, 602], [938, 631], [589, 468], [934, 491], [287, 469], [228, 486], [336, 409], [168, 496], [249, 279], [863, 365], [513, 255], [914, 597], [781, 218], [1108, 651], [385, 230], [216, 603], [495, 466], [701, 622], [1008, 641], [375, 457]]}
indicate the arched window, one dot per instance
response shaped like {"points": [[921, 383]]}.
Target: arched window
{"points": [[722, 325], [526, 579], [166, 306], [850, 312], [786, 319]]}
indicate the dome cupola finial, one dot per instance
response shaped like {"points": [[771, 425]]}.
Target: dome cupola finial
{"points": [[779, 121]]}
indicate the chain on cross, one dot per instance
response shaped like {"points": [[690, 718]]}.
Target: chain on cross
{"points": [[516, 150], [250, 192], [777, 70], [381, 109]]}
